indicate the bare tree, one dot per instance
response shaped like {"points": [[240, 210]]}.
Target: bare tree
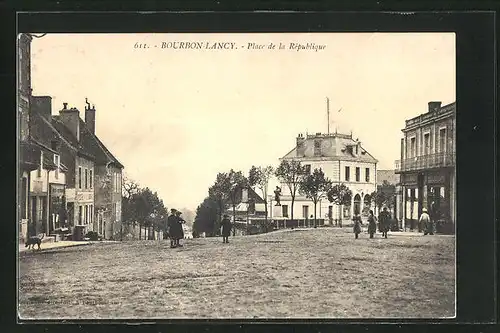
{"points": [[290, 173]]}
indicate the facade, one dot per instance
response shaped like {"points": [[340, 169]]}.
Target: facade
{"points": [[344, 161], [28, 153], [47, 183], [388, 182], [427, 166]]}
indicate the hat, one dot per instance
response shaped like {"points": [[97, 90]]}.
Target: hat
{"points": [[424, 210], [173, 210]]}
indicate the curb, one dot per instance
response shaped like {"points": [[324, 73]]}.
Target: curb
{"points": [[22, 253]]}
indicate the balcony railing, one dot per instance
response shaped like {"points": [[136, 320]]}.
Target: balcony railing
{"points": [[438, 160]]}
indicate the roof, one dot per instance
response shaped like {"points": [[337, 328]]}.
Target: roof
{"points": [[388, 175], [70, 139], [333, 147], [93, 144]]}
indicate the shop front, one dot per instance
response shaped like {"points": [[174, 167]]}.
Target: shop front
{"points": [[57, 207]]}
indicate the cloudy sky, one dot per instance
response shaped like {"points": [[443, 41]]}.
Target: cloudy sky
{"points": [[176, 117]]}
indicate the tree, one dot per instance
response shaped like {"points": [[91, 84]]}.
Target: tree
{"points": [[340, 195], [237, 182], [315, 187], [218, 192], [383, 196], [290, 173], [258, 177], [205, 219]]}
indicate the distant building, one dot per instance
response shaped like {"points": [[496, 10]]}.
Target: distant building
{"points": [[427, 165], [388, 182], [344, 161]]}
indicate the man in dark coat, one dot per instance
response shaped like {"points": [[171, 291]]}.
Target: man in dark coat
{"points": [[226, 229], [172, 227], [384, 222], [372, 224], [180, 230]]}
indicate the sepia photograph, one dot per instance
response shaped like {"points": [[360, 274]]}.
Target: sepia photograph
{"points": [[236, 175]]}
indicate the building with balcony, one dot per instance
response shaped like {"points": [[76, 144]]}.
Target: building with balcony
{"points": [[344, 161], [427, 166]]}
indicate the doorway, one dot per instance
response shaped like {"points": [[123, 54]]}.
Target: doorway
{"points": [[357, 204]]}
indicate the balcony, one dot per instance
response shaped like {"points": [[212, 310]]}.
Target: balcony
{"points": [[431, 161]]}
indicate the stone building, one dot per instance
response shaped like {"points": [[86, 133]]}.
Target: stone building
{"points": [[344, 161], [427, 166]]}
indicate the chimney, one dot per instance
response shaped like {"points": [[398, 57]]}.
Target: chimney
{"points": [[90, 116], [71, 119], [42, 105], [301, 145], [434, 106]]}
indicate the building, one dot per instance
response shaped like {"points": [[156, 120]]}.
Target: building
{"points": [[427, 166], [47, 183], [93, 191], [344, 161], [249, 211], [28, 154], [80, 161], [108, 180]]}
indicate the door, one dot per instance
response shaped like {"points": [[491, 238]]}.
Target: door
{"points": [[43, 217]]}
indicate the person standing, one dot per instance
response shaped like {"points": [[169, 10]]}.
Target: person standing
{"points": [[425, 221], [171, 227], [226, 229], [372, 224], [357, 225], [180, 231], [384, 221]]}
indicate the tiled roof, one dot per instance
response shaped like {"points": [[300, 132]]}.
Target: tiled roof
{"points": [[70, 139], [93, 144], [333, 147]]}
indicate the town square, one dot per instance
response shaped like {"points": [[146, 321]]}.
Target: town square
{"points": [[236, 182]]}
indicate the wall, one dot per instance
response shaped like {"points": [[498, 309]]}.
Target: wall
{"points": [[84, 196], [108, 197]]}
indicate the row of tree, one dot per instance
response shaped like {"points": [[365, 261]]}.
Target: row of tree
{"points": [[142, 207], [226, 191]]}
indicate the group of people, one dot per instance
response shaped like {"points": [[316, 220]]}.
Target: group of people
{"points": [[174, 230], [384, 220]]}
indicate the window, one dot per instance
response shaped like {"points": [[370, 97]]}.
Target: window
{"points": [[79, 177], [347, 173], [412, 147], [90, 179], [284, 209], [367, 175], [91, 213], [305, 211], [80, 215], [442, 140], [358, 174], [307, 169], [86, 214], [427, 143], [317, 147], [57, 162], [86, 178]]}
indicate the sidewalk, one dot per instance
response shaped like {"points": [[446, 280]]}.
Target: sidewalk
{"points": [[55, 245]]}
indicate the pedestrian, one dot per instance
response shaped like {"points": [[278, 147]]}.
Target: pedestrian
{"points": [[180, 230], [172, 227], [384, 219], [357, 225], [226, 229], [426, 223], [372, 224]]}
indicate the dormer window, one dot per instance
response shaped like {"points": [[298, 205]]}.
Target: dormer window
{"points": [[317, 147]]}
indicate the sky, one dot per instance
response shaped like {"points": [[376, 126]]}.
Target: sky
{"points": [[176, 117]]}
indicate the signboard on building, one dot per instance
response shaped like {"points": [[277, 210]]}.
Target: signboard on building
{"points": [[84, 196], [436, 178], [409, 179], [70, 194]]}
